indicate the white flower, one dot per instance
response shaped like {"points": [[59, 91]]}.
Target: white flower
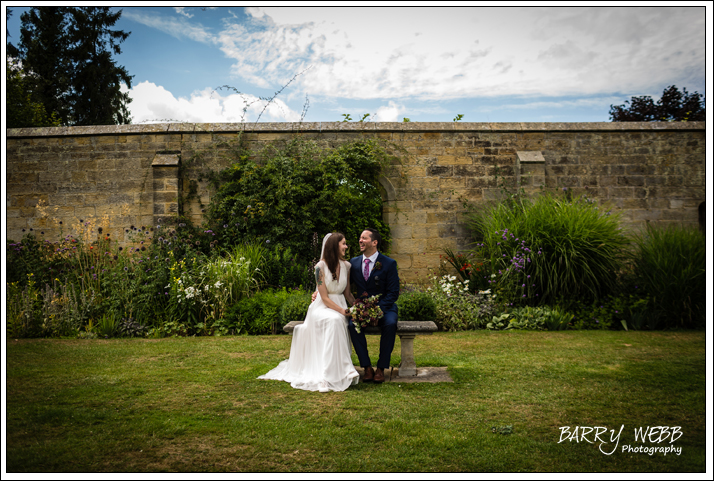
{"points": [[493, 275], [218, 284]]}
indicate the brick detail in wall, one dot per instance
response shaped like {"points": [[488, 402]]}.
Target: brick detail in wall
{"points": [[165, 170]]}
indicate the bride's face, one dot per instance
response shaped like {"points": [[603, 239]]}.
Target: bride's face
{"points": [[343, 247]]}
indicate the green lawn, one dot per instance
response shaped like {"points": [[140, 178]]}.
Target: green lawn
{"points": [[193, 404]]}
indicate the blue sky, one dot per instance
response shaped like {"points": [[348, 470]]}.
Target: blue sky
{"points": [[491, 64]]}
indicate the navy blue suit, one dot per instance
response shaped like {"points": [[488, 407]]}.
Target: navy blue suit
{"points": [[383, 280]]}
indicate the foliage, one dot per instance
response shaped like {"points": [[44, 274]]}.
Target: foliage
{"points": [[622, 311], [66, 54], [558, 320], [457, 308], [669, 265], [23, 110], [43, 310], [131, 328], [295, 307], [290, 193], [673, 106], [471, 269], [285, 269], [458, 117], [416, 306], [530, 318], [550, 248], [107, 325], [259, 314]]}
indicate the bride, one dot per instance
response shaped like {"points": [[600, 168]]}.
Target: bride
{"points": [[320, 353]]}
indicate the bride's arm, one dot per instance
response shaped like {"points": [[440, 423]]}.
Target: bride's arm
{"points": [[348, 290], [320, 278]]}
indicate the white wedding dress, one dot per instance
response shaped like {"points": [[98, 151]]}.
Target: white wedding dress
{"points": [[320, 353]]}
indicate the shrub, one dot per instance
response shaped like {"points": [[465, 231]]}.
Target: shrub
{"points": [[669, 265], [416, 306], [581, 247], [259, 314], [456, 308], [295, 307]]}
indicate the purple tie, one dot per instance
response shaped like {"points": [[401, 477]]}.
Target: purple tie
{"points": [[366, 269]]}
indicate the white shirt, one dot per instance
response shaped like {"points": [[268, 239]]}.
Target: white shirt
{"points": [[372, 260]]}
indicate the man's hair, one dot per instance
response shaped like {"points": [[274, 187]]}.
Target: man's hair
{"points": [[374, 234]]}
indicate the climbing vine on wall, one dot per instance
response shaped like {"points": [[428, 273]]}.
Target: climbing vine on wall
{"points": [[290, 191]]}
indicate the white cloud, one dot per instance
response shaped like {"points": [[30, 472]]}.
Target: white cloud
{"points": [[367, 53], [176, 27], [152, 103], [182, 11], [388, 113]]}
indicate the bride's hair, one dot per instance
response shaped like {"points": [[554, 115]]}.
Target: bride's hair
{"points": [[332, 252]]}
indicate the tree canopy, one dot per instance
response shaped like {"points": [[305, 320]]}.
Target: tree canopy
{"points": [[65, 60], [673, 106]]}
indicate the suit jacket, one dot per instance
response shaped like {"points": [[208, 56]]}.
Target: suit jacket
{"points": [[383, 280]]}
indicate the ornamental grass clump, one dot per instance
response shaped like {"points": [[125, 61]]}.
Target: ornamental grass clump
{"points": [[669, 264], [579, 245]]}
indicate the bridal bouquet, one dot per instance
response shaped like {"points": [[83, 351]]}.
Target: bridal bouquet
{"points": [[366, 312]]}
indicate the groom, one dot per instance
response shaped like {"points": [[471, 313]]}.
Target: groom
{"points": [[375, 273]]}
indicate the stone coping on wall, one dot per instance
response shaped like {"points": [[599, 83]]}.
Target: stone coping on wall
{"points": [[352, 127]]}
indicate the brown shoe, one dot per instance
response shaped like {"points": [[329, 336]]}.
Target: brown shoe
{"points": [[379, 375], [369, 374]]}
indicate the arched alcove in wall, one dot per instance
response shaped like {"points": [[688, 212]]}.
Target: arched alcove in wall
{"points": [[387, 190]]}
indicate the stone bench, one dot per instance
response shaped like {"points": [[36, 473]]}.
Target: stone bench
{"points": [[406, 330]]}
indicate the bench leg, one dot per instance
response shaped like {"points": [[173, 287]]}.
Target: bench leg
{"points": [[408, 365]]}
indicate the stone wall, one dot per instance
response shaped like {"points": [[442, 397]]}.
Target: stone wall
{"points": [[119, 176]]}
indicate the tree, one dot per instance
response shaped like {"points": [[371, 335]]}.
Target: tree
{"points": [[22, 110], [66, 54], [672, 106], [97, 98], [44, 55]]}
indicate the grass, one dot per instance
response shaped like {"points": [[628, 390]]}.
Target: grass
{"points": [[193, 404]]}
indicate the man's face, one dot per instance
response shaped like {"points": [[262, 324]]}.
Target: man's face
{"points": [[365, 241]]}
